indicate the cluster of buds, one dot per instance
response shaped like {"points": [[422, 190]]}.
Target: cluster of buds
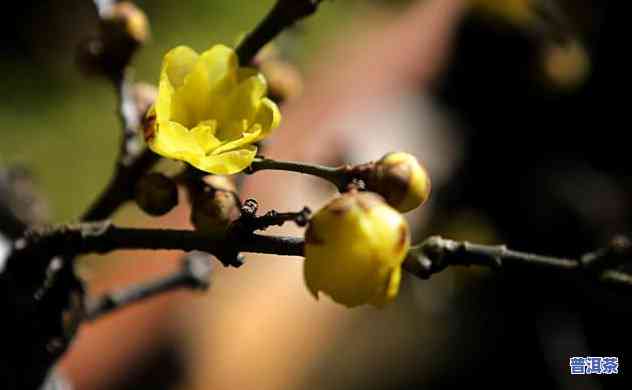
{"points": [[355, 245]]}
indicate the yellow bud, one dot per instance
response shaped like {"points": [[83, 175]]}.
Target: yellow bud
{"points": [[354, 248], [156, 194], [215, 205], [566, 66], [401, 180]]}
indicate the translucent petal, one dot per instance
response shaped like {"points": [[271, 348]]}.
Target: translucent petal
{"points": [[203, 135], [227, 163], [178, 63], [172, 140], [268, 116], [246, 139]]}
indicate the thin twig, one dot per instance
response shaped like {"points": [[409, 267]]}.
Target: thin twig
{"points": [[194, 273], [436, 254], [338, 176], [249, 221]]}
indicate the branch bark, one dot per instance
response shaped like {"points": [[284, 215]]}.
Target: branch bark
{"points": [[283, 14]]}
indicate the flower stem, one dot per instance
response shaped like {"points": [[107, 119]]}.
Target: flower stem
{"points": [[338, 176]]}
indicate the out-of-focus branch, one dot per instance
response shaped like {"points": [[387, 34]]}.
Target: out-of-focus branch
{"points": [[195, 273], [436, 254], [133, 160], [20, 203], [283, 14]]}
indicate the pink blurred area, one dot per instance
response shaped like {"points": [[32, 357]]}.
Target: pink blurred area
{"points": [[258, 327]]}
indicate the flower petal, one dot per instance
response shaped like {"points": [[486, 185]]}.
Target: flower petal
{"points": [[221, 65], [243, 104], [172, 140], [178, 63], [203, 135], [227, 163], [268, 117], [247, 138]]}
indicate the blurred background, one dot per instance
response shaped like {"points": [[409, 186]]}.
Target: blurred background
{"points": [[521, 133]]}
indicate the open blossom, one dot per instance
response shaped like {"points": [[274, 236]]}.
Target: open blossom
{"points": [[209, 111], [354, 249]]}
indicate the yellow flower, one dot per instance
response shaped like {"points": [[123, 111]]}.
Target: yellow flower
{"points": [[209, 111], [354, 248]]}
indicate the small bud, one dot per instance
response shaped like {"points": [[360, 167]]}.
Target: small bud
{"points": [[567, 65], [215, 205], [124, 27], [401, 180], [156, 194], [126, 21], [354, 248]]}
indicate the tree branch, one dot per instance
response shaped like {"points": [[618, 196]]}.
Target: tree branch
{"points": [[133, 160], [283, 14], [425, 259], [436, 254], [103, 237], [194, 273]]}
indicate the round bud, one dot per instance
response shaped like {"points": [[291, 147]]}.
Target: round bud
{"points": [[126, 20], [566, 66], [215, 205], [401, 180], [124, 27], [156, 194], [354, 248]]}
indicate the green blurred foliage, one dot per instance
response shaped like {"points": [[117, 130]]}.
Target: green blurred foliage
{"points": [[62, 125]]}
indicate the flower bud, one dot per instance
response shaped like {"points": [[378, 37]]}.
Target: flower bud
{"points": [[566, 65], [215, 205], [354, 248], [156, 194], [126, 21], [401, 180], [123, 28]]}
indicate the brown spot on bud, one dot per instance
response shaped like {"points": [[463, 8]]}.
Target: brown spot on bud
{"points": [[403, 238]]}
